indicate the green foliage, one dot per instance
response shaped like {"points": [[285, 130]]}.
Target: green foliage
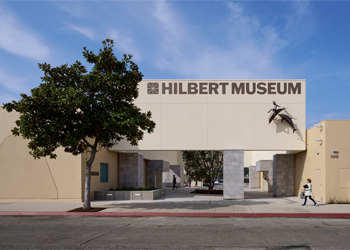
{"points": [[331, 201], [201, 165], [83, 111], [124, 188], [335, 201], [148, 188], [72, 106]]}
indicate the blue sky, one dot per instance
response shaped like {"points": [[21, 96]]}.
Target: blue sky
{"points": [[188, 40]]}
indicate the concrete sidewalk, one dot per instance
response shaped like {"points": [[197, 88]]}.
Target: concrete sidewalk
{"points": [[181, 202]]}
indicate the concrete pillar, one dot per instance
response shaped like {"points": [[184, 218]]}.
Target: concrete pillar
{"points": [[154, 166], [233, 174], [266, 166], [158, 179], [283, 175], [130, 170], [178, 171], [253, 178], [167, 179]]}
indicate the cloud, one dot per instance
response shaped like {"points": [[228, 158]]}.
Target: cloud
{"points": [[125, 44], [6, 98], [18, 39], [332, 115], [74, 8], [11, 82], [301, 23], [250, 52], [168, 20], [83, 30], [173, 39]]}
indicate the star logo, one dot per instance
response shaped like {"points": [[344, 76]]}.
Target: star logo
{"points": [[152, 88]]}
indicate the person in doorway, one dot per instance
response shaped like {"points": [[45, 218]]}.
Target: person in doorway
{"points": [[308, 192], [174, 182]]}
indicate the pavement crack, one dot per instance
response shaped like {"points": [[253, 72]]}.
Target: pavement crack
{"points": [[126, 225]]}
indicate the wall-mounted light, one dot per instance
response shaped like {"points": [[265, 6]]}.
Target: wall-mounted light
{"points": [[319, 140], [335, 151], [319, 126]]}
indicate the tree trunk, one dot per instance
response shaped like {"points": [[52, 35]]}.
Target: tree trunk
{"points": [[87, 202], [211, 185]]}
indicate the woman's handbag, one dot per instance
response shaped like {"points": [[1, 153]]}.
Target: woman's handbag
{"points": [[302, 195]]}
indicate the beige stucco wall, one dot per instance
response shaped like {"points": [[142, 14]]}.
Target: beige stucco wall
{"points": [[311, 163], [330, 176], [337, 169], [22, 177], [248, 159], [7, 122], [103, 156], [173, 157], [264, 155], [220, 121], [252, 157]]}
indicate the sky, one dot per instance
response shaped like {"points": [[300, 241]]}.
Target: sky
{"points": [[300, 39]]}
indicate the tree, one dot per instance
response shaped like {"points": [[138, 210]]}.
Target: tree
{"points": [[201, 165], [83, 111]]}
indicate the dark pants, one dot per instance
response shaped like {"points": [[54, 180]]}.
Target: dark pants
{"points": [[310, 199], [174, 185]]}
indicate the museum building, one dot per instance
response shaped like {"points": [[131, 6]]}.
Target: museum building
{"points": [[258, 124]]}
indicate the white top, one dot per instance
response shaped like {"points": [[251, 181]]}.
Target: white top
{"points": [[308, 191]]}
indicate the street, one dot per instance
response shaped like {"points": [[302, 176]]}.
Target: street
{"points": [[71, 232]]}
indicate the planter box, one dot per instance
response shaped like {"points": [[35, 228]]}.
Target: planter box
{"points": [[129, 195], [100, 195], [162, 192], [150, 195], [118, 195], [110, 195], [137, 195]]}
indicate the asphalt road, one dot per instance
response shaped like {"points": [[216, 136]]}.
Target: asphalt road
{"points": [[55, 232]]}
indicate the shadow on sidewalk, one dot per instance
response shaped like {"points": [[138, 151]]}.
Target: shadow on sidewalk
{"points": [[183, 199]]}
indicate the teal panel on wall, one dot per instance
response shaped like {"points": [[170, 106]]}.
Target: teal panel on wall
{"points": [[103, 172]]}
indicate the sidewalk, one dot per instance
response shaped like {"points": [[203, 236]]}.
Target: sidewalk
{"points": [[181, 202]]}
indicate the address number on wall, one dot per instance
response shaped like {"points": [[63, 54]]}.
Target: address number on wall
{"points": [[334, 156]]}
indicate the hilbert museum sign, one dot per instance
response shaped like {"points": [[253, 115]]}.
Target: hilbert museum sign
{"points": [[222, 114], [215, 88]]}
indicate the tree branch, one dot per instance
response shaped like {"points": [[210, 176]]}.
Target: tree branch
{"points": [[84, 139]]}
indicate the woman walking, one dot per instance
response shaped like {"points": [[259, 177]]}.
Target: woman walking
{"points": [[308, 192]]}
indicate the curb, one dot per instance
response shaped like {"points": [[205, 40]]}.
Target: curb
{"points": [[165, 214]]}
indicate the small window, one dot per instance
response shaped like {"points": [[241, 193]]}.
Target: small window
{"points": [[103, 172]]}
